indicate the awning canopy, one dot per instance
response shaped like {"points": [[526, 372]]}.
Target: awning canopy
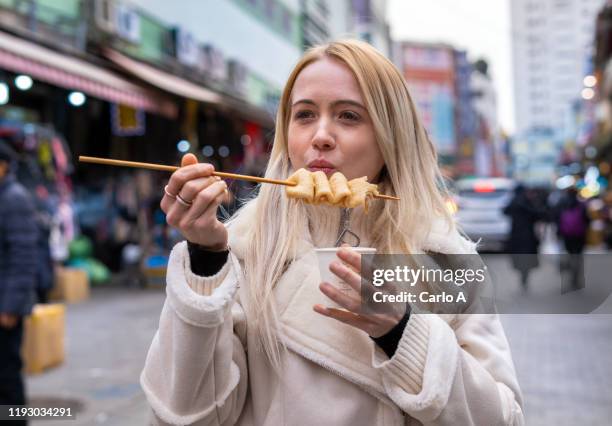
{"points": [[163, 80], [22, 56], [185, 88]]}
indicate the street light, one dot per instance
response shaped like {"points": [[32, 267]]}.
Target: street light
{"points": [[208, 151], [23, 82], [4, 93], [590, 81], [588, 94], [76, 99], [223, 151], [183, 146]]}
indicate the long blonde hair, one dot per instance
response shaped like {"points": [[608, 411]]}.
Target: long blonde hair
{"points": [[410, 172]]}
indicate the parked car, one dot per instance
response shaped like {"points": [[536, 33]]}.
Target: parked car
{"points": [[479, 210]]}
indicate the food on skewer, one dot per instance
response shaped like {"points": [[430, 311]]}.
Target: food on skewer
{"points": [[340, 189], [323, 190], [315, 188], [361, 192], [304, 188]]}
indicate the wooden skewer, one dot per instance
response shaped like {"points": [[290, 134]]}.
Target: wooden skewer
{"points": [[387, 197], [162, 167]]}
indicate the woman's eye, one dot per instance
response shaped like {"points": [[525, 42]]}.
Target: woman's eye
{"points": [[304, 114], [349, 115]]}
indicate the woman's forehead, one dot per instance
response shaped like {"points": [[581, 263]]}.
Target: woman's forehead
{"points": [[326, 79]]}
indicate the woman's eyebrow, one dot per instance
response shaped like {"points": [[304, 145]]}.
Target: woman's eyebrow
{"points": [[333, 104]]}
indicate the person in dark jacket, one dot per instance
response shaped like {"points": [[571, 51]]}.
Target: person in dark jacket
{"points": [[18, 268], [572, 225], [523, 243]]}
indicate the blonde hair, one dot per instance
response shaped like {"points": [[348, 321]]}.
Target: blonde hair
{"points": [[411, 172]]}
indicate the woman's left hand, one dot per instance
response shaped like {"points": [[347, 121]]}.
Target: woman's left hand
{"points": [[375, 325]]}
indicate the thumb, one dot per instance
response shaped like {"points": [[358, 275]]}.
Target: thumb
{"points": [[188, 160]]}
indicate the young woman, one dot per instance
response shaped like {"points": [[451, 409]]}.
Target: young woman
{"points": [[245, 336]]}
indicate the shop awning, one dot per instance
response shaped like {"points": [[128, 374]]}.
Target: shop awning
{"points": [[186, 88], [163, 80], [22, 56]]}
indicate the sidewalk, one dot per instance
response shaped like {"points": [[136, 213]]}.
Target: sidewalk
{"points": [[107, 338]]}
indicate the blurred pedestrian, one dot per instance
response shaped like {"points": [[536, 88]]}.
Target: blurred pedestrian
{"points": [[572, 226], [44, 217], [523, 242], [18, 269], [607, 215]]}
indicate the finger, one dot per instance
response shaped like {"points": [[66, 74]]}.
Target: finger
{"points": [[346, 317], [350, 257], [208, 198], [188, 160], [166, 201], [347, 301], [191, 188], [176, 214], [208, 216], [346, 274], [187, 173]]}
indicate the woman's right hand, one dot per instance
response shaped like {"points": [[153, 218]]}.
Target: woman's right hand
{"points": [[190, 203]]}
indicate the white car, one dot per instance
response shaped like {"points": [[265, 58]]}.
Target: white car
{"points": [[479, 210]]}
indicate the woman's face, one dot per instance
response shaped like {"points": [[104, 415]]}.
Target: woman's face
{"points": [[329, 127]]}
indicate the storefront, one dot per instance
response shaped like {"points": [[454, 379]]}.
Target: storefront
{"points": [[120, 96]]}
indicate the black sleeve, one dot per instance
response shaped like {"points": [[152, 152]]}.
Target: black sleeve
{"points": [[388, 342], [204, 262]]}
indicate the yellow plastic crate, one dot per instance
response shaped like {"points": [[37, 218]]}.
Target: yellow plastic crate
{"points": [[44, 335], [71, 285]]}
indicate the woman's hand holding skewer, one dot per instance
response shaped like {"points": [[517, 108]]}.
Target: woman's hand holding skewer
{"points": [[190, 202]]}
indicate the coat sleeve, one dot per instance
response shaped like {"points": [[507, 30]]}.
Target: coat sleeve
{"points": [[196, 371], [443, 375], [21, 251]]}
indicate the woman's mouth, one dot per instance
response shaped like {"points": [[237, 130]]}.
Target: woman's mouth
{"points": [[326, 170], [321, 164]]}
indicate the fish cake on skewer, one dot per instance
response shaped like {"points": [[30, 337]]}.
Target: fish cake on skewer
{"points": [[361, 193], [323, 189], [305, 188]]}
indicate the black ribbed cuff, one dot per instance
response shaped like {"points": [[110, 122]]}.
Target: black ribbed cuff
{"points": [[389, 342], [206, 263]]}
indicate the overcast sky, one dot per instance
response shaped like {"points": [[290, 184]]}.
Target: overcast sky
{"points": [[482, 27]]}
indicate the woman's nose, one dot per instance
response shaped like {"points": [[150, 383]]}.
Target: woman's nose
{"points": [[323, 139]]}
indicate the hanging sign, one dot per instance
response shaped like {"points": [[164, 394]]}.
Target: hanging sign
{"points": [[127, 121]]}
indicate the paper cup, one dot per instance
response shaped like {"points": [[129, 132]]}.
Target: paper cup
{"points": [[326, 256]]}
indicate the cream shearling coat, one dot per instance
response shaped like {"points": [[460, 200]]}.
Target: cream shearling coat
{"points": [[203, 367]]}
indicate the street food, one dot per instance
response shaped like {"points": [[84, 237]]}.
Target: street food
{"points": [[315, 188], [304, 188]]}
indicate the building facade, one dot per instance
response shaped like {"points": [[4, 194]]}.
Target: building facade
{"points": [[552, 44], [457, 103]]}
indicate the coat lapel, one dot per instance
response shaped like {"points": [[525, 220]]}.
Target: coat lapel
{"points": [[331, 344]]}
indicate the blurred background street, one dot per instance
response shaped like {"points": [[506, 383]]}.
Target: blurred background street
{"points": [[516, 95]]}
